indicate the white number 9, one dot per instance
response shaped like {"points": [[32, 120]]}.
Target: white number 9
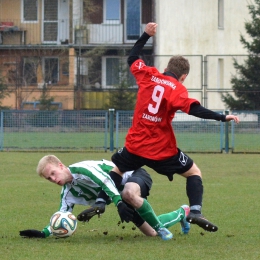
{"points": [[157, 98]]}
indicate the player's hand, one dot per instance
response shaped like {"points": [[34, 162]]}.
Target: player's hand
{"points": [[32, 233], [126, 214], [150, 29], [97, 209], [232, 117]]}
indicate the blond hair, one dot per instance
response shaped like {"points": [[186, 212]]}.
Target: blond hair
{"points": [[52, 159], [178, 65]]}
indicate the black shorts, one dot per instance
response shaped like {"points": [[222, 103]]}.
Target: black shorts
{"points": [[143, 179], [126, 161]]}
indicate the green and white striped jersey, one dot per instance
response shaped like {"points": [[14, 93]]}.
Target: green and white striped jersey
{"points": [[89, 178]]}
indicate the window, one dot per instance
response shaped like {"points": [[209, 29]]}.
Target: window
{"points": [[112, 11], [112, 71], [116, 73], [220, 73], [39, 70], [133, 19], [50, 23], [30, 10], [30, 66], [51, 70], [221, 14]]}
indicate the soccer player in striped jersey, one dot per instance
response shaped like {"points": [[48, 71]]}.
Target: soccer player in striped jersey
{"points": [[81, 182]]}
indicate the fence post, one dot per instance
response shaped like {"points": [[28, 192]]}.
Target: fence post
{"points": [[232, 136], [117, 129], [106, 131], [221, 136], [111, 128], [226, 134]]}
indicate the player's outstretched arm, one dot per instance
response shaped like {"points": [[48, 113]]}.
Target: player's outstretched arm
{"points": [[199, 111], [149, 31], [32, 233], [232, 117]]}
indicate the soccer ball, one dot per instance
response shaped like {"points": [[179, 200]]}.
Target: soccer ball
{"points": [[63, 224]]}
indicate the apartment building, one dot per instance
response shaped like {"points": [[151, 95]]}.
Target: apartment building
{"points": [[75, 50], [70, 49]]}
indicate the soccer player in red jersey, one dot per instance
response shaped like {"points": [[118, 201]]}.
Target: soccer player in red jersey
{"points": [[151, 140]]}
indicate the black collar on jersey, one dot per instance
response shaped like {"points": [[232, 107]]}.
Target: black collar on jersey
{"points": [[168, 73]]}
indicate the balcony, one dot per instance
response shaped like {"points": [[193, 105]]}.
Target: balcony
{"points": [[67, 32], [11, 34]]}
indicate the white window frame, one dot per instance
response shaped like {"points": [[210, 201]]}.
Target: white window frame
{"points": [[106, 21], [125, 29], [58, 69], [220, 74], [220, 14], [104, 72], [22, 13]]}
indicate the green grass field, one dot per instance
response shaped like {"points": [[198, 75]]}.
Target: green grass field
{"points": [[231, 200]]}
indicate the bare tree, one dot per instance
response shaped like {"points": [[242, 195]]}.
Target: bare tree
{"points": [[38, 70], [3, 92]]}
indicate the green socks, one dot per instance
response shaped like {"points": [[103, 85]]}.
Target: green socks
{"points": [[147, 213], [165, 220], [170, 219]]}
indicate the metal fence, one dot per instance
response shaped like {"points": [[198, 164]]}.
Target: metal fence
{"points": [[103, 130], [54, 130]]}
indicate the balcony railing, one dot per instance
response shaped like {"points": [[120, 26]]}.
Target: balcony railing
{"points": [[66, 32]]}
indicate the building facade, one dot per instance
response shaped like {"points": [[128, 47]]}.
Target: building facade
{"points": [[75, 50], [208, 33]]}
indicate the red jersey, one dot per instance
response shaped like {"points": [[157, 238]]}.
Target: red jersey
{"points": [[159, 97]]}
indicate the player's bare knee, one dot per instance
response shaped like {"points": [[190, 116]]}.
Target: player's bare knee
{"points": [[194, 170], [128, 195]]}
